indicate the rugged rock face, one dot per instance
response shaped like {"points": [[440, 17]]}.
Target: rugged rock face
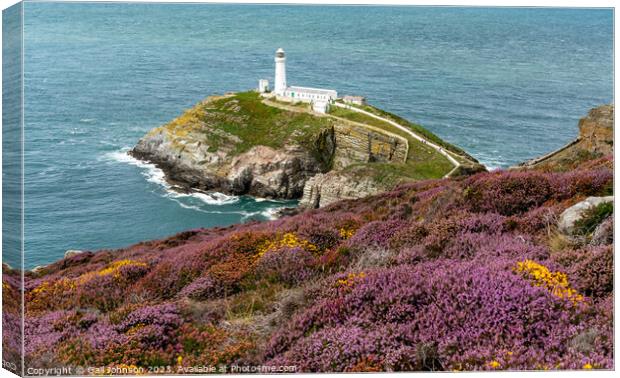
{"points": [[323, 189], [266, 172], [596, 130], [595, 139], [357, 144], [262, 171]]}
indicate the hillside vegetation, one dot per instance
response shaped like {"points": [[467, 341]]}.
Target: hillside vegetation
{"points": [[450, 274]]}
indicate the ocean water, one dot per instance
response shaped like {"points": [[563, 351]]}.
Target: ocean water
{"points": [[505, 84]]}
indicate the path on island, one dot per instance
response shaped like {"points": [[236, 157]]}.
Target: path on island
{"points": [[427, 142], [377, 129], [434, 146]]}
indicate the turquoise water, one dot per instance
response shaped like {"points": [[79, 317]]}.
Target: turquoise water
{"points": [[504, 84]]}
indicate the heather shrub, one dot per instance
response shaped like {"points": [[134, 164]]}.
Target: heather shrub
{"points": [[535, 221], [582, 183], [166, 279], [165, 315], [490, 223], [376, 234], [46, 331], [323, 238], [486, 247], [507, 193], [453, 274], [594, 275], [408, 236], [472, 312], [202, 288], [101, 292], [288, 265]]}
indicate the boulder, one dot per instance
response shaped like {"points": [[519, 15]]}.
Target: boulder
{"points": [[38, 268], [570, 216], [72, 252]]}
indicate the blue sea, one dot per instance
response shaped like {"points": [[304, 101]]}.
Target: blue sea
{"points": [[505, 84]]}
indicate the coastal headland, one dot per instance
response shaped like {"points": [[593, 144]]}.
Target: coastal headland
{"points": [[243, 143]]}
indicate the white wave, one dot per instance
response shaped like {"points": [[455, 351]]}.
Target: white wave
{"points": [[87, 120], [157, 176], [260, 199], [271, 213], [150, 171], [210, 198]]}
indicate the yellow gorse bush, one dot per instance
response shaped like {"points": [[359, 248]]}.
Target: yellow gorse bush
{"points": [[494, 364], [289, 240], [112, 269], [345, 233], [555, 282], [67, 283], [351, 279]]}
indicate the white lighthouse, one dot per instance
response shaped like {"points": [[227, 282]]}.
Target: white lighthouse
{"points": [[320, 99], [280, 82]]}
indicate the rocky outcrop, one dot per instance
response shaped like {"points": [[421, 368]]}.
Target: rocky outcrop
{"points": [[604, 232], [266, 172], [358, 144], [573, 214], [261, 171], [196, 152], [595, 139], [324, 189], [596, 132], [72, 252]]}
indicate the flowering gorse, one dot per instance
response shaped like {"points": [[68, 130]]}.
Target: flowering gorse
{"points": [[288, 240], [555, 282]]}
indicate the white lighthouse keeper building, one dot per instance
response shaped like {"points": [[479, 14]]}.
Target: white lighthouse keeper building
{"points": [[319, 98]]}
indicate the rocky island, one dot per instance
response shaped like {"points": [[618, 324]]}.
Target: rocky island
{"points": [[243, 143], [503, 270]]}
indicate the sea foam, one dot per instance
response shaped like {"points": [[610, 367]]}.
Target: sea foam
{"points": [[157, 176]]}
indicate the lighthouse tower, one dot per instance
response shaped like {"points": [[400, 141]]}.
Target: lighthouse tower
{"points": [[280, 82]]}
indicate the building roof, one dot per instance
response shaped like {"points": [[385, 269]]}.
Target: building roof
{"points": [[312, 90], [353, 97]]}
